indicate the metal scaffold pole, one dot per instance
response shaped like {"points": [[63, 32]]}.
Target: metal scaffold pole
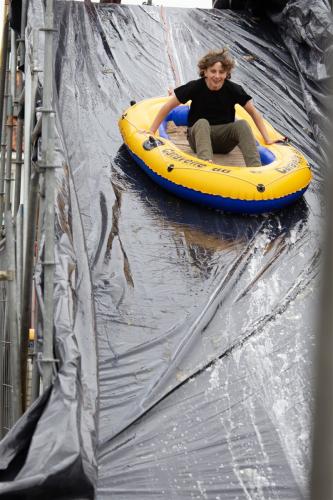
{"points": [[10, 252], [4, 109], [9, 141], [48, 166], [18, 105], [4, 30], [30, 195], [31, 190], [19, 219], [15, 371]]}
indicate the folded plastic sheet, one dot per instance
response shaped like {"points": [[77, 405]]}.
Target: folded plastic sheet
{"points": [[204, 321], [307, 30]]}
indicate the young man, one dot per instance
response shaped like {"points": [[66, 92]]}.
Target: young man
{"points": [[212, 127]]}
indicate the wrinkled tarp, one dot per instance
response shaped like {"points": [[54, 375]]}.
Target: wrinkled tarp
{"points": [[204, 322], [307, 30]]}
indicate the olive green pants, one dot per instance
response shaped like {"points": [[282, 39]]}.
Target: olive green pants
{"points": [[206, 139]]}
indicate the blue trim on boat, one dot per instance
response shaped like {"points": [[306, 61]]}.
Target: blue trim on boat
{"points": [[163, 129], [215, 201], [266, 155], [179, 116]]}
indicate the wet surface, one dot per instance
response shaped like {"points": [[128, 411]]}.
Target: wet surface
{"points": [[205, 322]]}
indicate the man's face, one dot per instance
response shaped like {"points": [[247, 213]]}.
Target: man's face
{"points": [[215, 76]]}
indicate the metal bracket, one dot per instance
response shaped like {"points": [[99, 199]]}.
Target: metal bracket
{"points": [[49, 29], [41, 166], [47, 263], [151, 143], [40, 360], [45, 110], [7, 275]]}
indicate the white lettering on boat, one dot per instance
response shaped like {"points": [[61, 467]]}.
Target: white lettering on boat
{"points": [[171, 153], [290, 166]]}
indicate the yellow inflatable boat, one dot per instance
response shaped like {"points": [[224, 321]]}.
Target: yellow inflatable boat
{"points": [[283, 177]]}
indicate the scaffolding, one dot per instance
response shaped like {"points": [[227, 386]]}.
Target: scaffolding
{"points": [[27, 185]]}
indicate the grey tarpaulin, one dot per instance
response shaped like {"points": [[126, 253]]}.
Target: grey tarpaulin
{"points": [[307, 30], [185, 336]]}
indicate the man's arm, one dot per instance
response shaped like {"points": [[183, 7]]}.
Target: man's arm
{"points": [[171, 103], [258, 120]]}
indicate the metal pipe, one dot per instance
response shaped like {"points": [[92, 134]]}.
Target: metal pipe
{"points": [[9, 144], [24, 8], [9, 131], [2, 180], [40, 315], [15, 372], [3, 150], [18, 163], [35, 382], [4, 38], [13, 64], [31, 82], [48, 159], [19, 263], [27, 278], [36, 131], [20, 102], [29, 197], [39, 295], [16, 89], [3, 286]]}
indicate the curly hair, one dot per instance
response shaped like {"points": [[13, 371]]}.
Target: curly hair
{"points": [[212, 57]]}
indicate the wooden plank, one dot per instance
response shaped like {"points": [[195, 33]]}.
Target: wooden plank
{"points": [[178, 137]]}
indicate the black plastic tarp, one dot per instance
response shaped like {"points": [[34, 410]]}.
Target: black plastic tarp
{"points": [[307, 30], [185, 335]]}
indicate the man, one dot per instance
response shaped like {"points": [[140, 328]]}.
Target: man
{"points": [[212, 127]]}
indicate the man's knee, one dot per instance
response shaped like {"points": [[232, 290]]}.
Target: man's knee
{"points": [[242, 127], [202, 123]]}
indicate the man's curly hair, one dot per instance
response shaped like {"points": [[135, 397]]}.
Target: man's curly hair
{"points": [[212, 57]]}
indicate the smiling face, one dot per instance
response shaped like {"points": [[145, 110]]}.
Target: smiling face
{"points": [[215, 76]]}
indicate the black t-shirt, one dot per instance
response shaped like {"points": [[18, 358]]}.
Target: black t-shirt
{"points": [[217, 106]]}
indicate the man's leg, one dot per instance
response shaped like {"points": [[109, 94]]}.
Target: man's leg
{"points": [[239, 133], [199, 139]]}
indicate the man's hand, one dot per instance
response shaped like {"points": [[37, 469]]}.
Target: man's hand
{"points": [[170, 104], [271, 141], [282, 140]]}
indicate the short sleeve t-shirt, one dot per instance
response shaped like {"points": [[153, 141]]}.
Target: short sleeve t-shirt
{"points": [[217, 106]]}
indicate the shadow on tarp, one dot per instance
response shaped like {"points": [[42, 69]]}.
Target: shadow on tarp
{"points": [[210, 227]]}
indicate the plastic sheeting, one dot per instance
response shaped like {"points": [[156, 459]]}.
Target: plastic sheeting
{"points": [[307, 30], [204, 321]]}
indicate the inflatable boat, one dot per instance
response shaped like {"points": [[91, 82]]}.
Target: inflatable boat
{"points": [[225, 184]]}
